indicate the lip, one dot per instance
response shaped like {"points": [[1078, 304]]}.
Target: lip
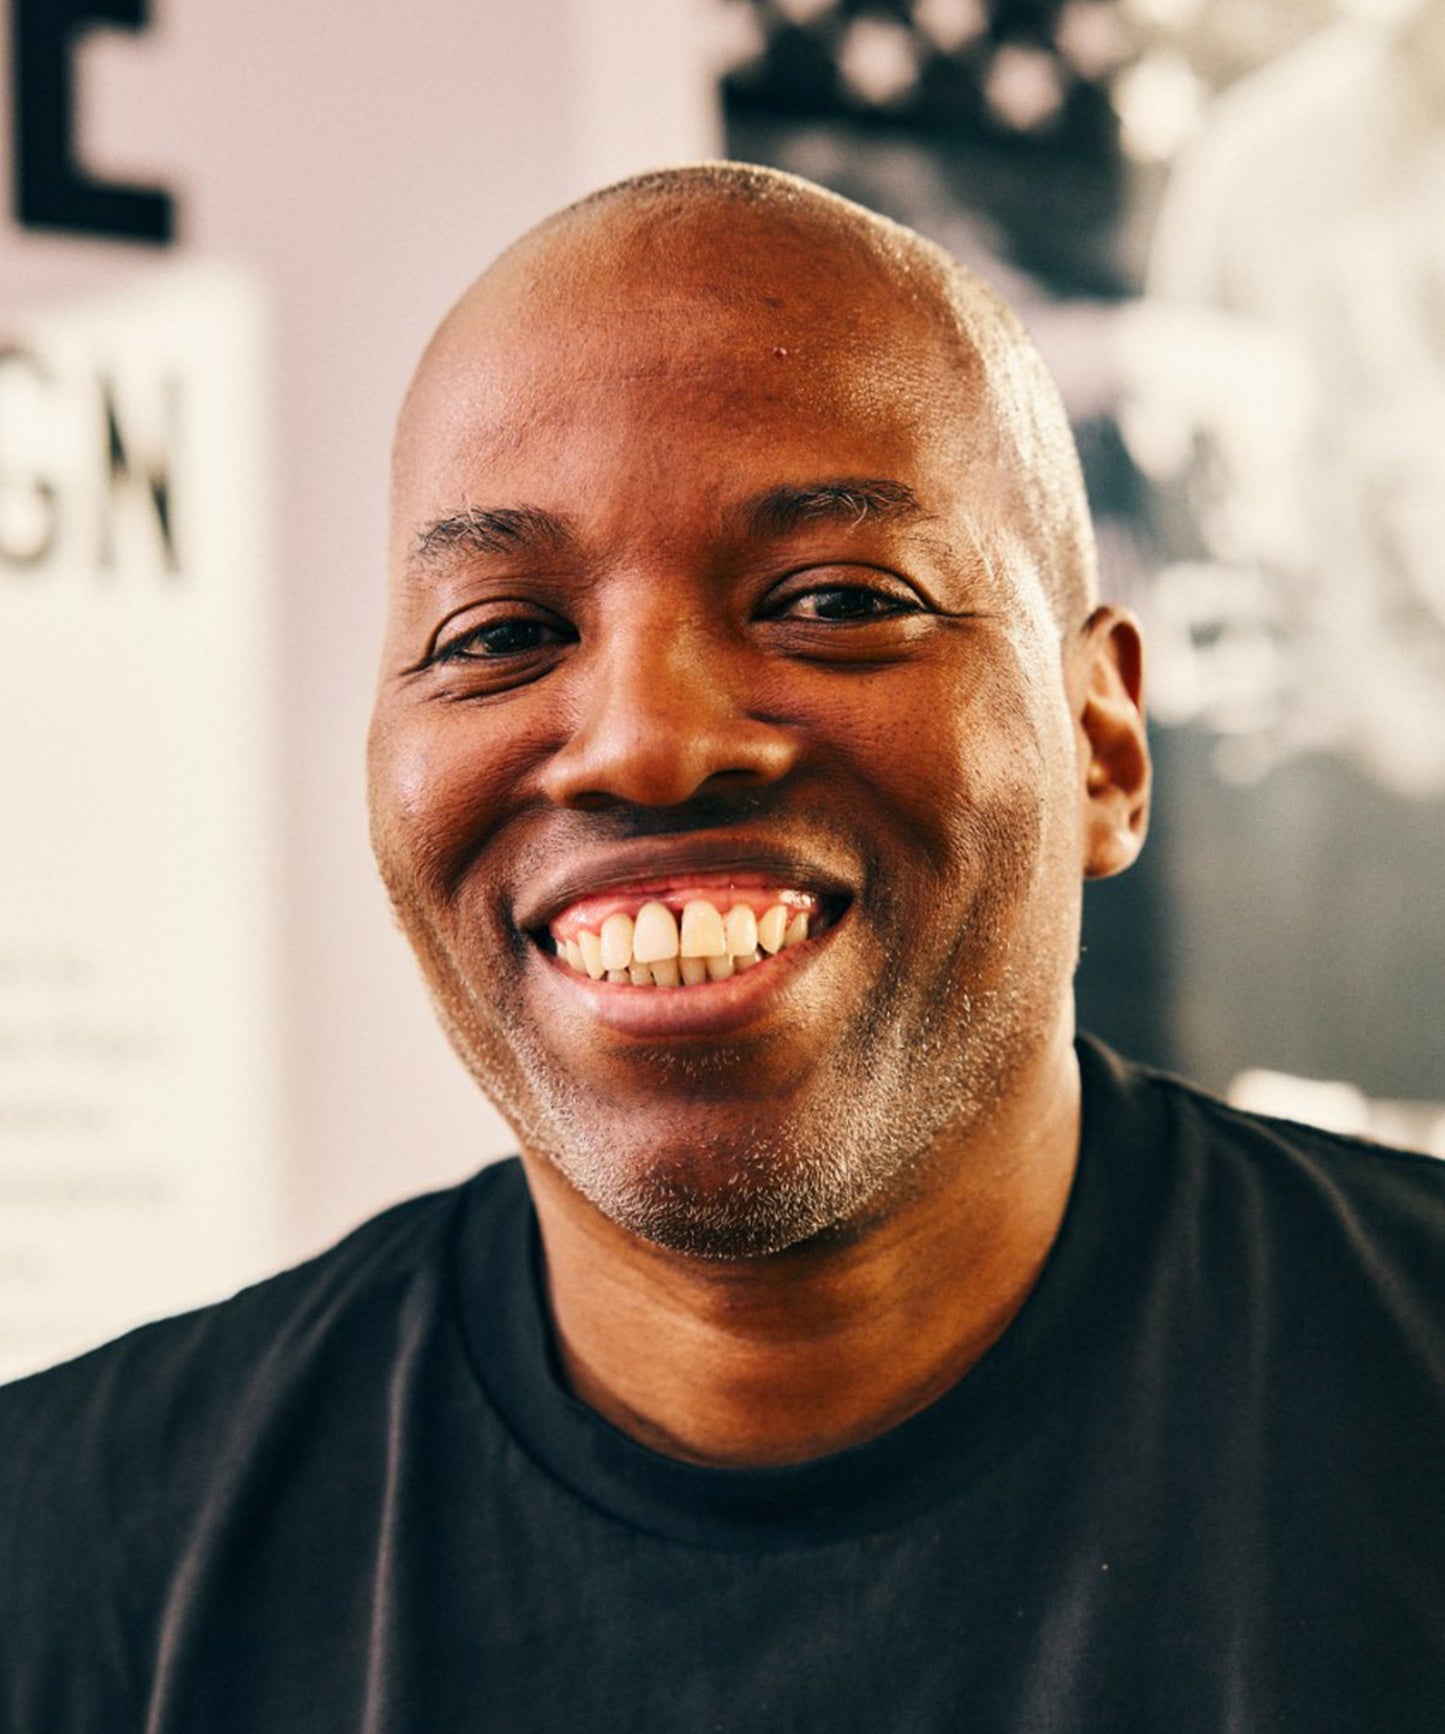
{"points": [[654, 866], [713, 1008]]}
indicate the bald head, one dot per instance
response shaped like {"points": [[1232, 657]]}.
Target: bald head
{"points": [[726, 240]]}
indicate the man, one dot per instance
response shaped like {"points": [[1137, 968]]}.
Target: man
{"points": [[745, 729]]}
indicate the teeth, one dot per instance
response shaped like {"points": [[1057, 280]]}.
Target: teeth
{"points": [[741, 928], [592, 954], [616, 939], [711, 946], [772, 927], [702, 932], [654, 938]]}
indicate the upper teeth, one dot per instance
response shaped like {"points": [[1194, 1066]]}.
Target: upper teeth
{"points": [[650, 949]]}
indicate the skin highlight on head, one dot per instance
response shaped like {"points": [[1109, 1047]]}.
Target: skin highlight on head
{"points": [[738, 529]]}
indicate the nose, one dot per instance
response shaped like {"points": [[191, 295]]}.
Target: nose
{"points": [[663, 717]]}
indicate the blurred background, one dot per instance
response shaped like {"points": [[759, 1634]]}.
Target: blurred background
{"points": [[225, 235]]}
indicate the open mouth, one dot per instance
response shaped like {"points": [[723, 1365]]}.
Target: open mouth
{"points": [[685, 936]]}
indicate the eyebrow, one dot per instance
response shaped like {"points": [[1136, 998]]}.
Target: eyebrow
{"points": [[847, 502], [489, 530]]}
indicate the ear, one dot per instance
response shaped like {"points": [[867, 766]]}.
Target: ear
{"points": [[1113, 748]]}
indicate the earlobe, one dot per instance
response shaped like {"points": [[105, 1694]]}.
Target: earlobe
{"points": [[1113, 747]]}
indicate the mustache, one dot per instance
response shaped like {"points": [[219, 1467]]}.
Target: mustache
{"points": [[624, 822]]}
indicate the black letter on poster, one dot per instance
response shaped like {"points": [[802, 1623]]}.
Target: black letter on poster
{"points": [[52, 191], [45, 511], [149, 477]]}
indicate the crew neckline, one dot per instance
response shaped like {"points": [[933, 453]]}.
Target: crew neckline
{"points": [[884, 1481]]}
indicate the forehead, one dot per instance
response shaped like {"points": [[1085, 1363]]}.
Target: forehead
{"points": [[707, 348]]}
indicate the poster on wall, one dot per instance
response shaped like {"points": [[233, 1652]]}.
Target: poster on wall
{"points": [[138, 1089]]}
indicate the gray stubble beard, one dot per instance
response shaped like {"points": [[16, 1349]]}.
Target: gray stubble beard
{"points": [[908, 1089]]}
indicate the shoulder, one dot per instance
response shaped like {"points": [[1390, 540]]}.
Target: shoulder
{"points": [[1151, 1104], [1284, 1293], [1349, 1171], [112, 1464], [215, 1358], [187, 1351], [1351, 1228], [1124, 1089]]}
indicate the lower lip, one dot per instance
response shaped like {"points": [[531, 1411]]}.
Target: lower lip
{"points": [[708, 1009]]}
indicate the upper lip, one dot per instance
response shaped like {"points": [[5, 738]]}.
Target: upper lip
{"points": [[642, 864]]}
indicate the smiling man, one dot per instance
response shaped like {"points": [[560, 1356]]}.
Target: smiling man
{"points": [[726, 774], [849, 1348]]}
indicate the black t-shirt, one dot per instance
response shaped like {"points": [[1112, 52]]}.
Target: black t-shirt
{"points": [[1197, 1486]]}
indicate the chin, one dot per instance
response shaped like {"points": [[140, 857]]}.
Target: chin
{"points": [[744, 1192], [723, 1215]]}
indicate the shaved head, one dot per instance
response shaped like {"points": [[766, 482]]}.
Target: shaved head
{"points": [[716, 232]]}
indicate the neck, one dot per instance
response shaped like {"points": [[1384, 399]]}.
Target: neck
{"points": [[790, 1357]]}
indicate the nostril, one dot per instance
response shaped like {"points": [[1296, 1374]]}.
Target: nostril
{"points": [[593, 801], [666, 765]]}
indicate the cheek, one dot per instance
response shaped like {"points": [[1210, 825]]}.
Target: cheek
{"points": [[435, 784], [947, 755], [974, 767]]}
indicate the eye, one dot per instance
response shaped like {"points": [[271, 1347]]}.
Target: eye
{"points": [[492, 640], [847, 614], [843, 603], [807, 600]]}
